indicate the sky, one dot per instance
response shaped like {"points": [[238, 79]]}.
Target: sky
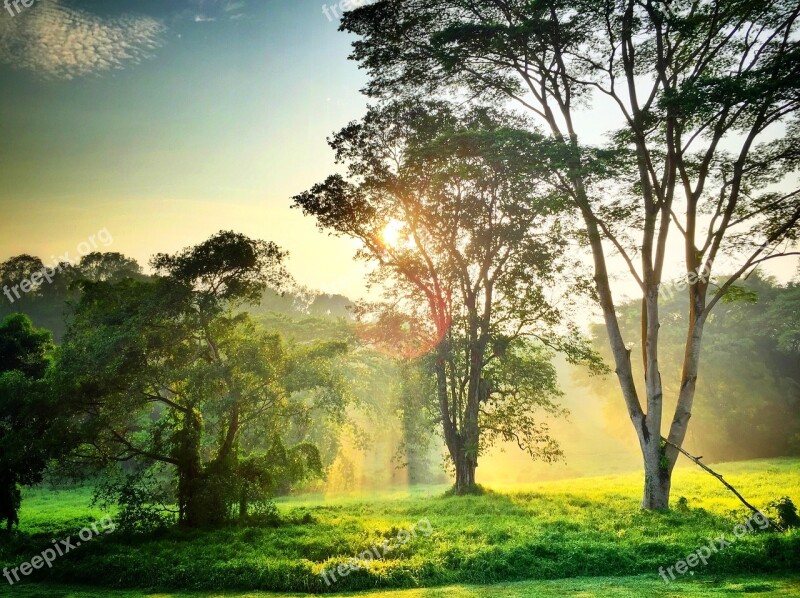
{"points": [[165, 121]]}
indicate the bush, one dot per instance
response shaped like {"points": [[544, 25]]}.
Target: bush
{"points": [[785, 512], [139, 500]]}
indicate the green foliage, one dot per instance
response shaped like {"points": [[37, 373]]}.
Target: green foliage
{"points": [[383, 396], [34, 426], [139, 500], [262, 476], [167, 373], [784, 316], [229, 268], [24, 348], [663, 461], [46, 303], [786, 512], [683, 504], [523, 387], [739, 293], [415, 405], [103, 267], [480, 237]]}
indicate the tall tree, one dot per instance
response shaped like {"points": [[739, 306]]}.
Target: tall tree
{"points": [[749, 398], [461, 219], [706, 97], [169, 371], [33, 426]]}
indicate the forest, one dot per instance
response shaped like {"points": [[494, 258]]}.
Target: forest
{"points": [[570, 364]]}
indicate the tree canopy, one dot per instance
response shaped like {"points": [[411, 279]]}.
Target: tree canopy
{"points": [[170, 376], [461, 216], [703, 138]]}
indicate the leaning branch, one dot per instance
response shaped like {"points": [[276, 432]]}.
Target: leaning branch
{"points": [[726, 484]]}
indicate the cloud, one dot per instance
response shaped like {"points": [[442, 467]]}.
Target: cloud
{"points": [[210, 11], [235, 9], [234, 6], [60, 42]]}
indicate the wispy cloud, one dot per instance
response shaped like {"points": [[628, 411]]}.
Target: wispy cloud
{"points": [[61, 42], [210, 11], [222, 9], [235, 6]]}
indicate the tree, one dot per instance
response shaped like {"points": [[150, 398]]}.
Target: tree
{"points": [[170, 372], [783, 320], [461, 219], [53, 287], [99, 267], [17, 272], [751, 387], [419, 418], [364, 435], [32, 426], [706, 96]]}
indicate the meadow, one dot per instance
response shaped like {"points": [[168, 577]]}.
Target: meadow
{"points": [[582, 528]]}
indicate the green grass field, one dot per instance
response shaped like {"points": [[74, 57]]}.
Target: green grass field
{"points": [[611, 587], [588, 536]]}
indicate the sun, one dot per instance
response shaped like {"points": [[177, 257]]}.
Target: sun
{"points": [[392, 233]]}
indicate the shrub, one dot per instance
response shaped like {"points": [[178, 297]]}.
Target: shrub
{"points": [[785, 512]]}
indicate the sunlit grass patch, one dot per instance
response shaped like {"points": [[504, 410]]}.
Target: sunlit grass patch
{"points": [[584, 527]]}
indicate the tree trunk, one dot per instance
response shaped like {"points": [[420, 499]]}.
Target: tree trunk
{"points": [[465, 473], [461, 447], [691, 366], [230, 437], [657, 474], [647, 426], [657, 477], [189, 481], [451, 436], [189, 469]]}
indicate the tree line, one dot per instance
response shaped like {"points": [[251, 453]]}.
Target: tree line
{"points": [[172, 393]]}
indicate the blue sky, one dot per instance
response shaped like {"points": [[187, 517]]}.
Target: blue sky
{"points": [[166, 121]]}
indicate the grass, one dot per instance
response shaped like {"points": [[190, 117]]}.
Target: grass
{"points": [[614, 587], [548, 531]]}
